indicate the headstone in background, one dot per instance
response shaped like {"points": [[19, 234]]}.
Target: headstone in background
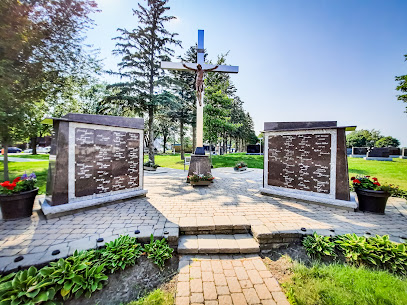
{"points": [[359, 152], [394, 152], [379, 154], [403, 153], [308, 161], [94, 159], [253, 149]]}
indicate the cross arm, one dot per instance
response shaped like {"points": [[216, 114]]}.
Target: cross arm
{"points": [[169, 65]]}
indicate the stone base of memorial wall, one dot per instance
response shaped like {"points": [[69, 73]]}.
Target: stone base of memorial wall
{"points": [[78, 206], [348, 205]]}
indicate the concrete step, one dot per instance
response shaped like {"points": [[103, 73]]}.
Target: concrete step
{"points": [[214, 225], [218, 243]]}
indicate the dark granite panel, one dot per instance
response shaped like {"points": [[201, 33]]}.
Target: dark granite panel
{"points": [[404, 152], [133, 157], [85, 161], [60, 173], [359, 150], [300, 162], [297, 125], [342, 176], [103, 157], [394, 151], [383, 152], [106, 120]]}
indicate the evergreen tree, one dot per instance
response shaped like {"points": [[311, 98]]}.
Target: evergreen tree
{"points": [[142, 49], [402, 87]]}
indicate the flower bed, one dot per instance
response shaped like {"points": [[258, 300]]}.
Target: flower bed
{"points": [[240, 166], [200, 179], [83, 273]]}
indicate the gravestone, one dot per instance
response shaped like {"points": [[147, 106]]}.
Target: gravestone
{"points": [[253, 149], [359, 152], [94, 159], [403, 153], [308, 161], [378, 154], [394, 152]]}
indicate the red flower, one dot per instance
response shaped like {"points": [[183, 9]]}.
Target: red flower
{"points": [[374, 179], [356, 181], [5, 183], [367, 176], [8, 185], [16, 180], [353, 178], [376, 183], [240, 167]]}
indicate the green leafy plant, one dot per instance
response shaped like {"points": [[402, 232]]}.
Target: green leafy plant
{"points": [[240, 164], [121, 253], [317, 246], [365, 183], [158, 250], [150, 163], [26, 287], [377, 251], [201, 177], [76, 275], [20, 184]]}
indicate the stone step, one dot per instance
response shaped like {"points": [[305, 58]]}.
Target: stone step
{"points": [[217, 243], [214, 225]]}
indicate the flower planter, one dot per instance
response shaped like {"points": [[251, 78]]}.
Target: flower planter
{"points": [[240, 169], [19, 205], [206, 183], [372, 201], [151, 169]]}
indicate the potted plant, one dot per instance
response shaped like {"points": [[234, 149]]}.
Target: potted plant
{"points": [[200, 179], [17, 198], [150, 166], [372, 195], [240, 166]]}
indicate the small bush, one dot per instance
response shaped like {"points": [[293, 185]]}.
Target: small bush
{"points": [[159, 251], [317, 246], [120, 253], [157, 297], [76, 275]]}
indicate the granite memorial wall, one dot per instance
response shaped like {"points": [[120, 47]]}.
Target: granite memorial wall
{"points": [[307, 160], [94, 159]]}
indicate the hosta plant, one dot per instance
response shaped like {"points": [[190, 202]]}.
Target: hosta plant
{"points": [[76, 275], [120, 253], [317, 246], [26, 287], [158, 250]]}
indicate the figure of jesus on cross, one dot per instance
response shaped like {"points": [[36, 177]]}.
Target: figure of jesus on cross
{"points": [[200, 70]]}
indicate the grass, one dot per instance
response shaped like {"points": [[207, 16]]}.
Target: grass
{"points": [[16, 169], [391, 172], [156, 297], [394, 172], [337, 284], [38, 156]]}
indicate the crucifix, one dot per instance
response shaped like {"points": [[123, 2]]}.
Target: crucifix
{"points": [[200, 68]]}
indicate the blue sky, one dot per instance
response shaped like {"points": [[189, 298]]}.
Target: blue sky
{"points": [[299, 60]]}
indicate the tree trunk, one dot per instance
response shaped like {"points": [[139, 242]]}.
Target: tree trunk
{"points": [[193, 138], [181, 127], [210, 152], [5, 162], [150, 134], [230, 144], [165, 143], [34, 145]]}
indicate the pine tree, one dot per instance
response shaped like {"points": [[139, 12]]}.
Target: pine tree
{"points": [[142, 49]]}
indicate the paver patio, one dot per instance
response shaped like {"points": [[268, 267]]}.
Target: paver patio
{"points": [[171, 202]]}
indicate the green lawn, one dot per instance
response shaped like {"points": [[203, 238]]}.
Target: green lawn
{"points": [[391, 172], [38, 156], [337, 284]]}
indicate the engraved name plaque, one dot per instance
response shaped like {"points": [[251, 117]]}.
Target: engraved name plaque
{"points": [[307, 160], [94, 159]]}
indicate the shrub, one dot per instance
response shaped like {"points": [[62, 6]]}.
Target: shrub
{"points": [[375, 252], [76, 275], [150, 163], [159, 251], [317, 246], [26, 287], [156, 297], [121, 253], [20, 184], [201, 177], [240, 164]]}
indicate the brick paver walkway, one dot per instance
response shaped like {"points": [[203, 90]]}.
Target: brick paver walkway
{"points": [[227, 280], [171, 202]]}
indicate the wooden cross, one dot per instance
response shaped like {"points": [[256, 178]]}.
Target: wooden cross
{"points": [[193, 66]]}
